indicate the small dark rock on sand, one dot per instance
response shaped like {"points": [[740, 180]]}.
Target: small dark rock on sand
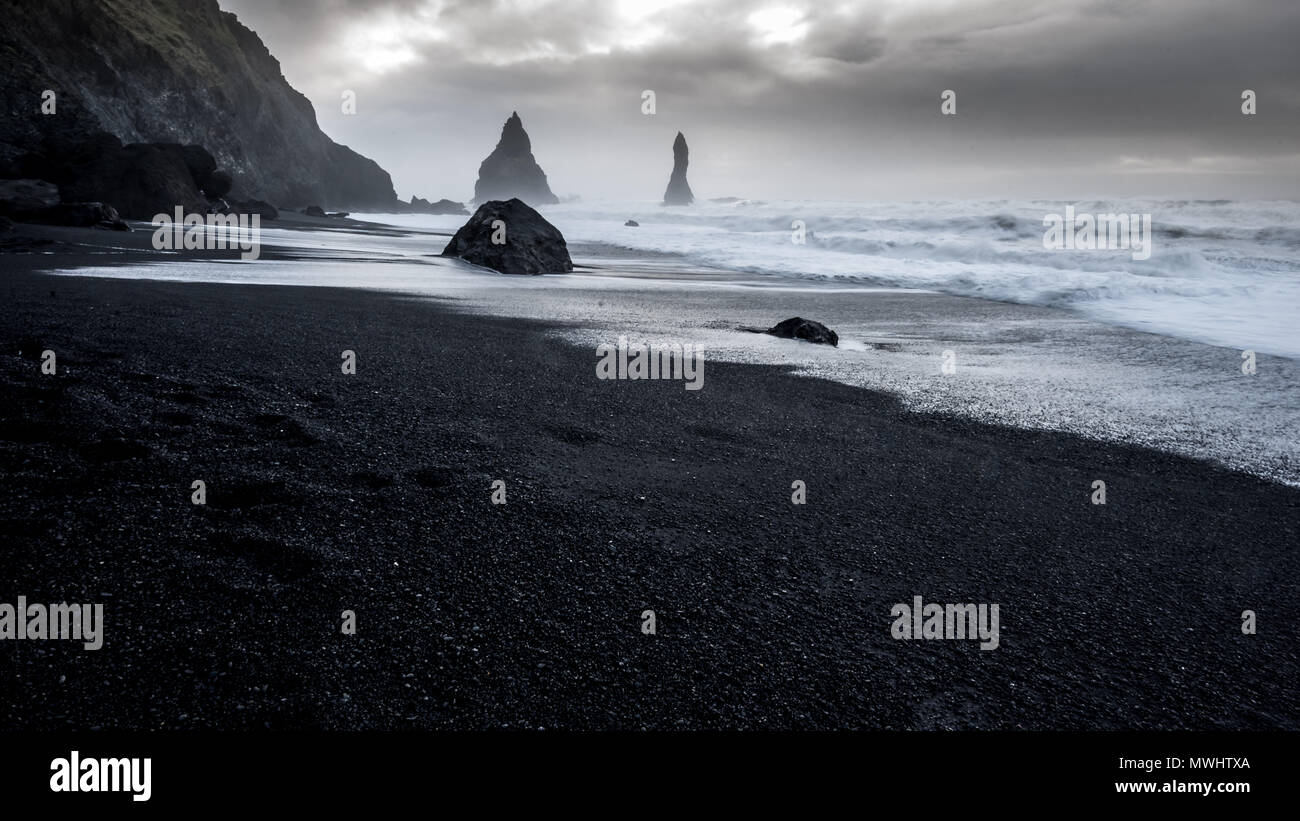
{"points": [[806, 329], [632, 224], [314, 211], [83, 215]]}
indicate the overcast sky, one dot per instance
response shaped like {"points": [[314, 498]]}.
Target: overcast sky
{"points": [[811, 99]]}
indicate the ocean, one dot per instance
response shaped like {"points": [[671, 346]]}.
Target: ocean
{"points": [[1220, 272]]}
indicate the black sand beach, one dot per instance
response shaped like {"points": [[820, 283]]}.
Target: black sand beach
{"points": [[329, 492]]}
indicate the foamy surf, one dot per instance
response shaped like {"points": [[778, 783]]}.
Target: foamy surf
{"points": [[1220, 272]]}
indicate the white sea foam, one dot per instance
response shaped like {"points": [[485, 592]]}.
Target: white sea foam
{"points": [[1221, 272]]}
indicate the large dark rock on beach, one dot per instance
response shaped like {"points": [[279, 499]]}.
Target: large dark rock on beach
{"points": [[20, 199], [679, 191], [39, 201], [806, 329], [532, 245], [182, 74], [139, 180], [511, 171]]}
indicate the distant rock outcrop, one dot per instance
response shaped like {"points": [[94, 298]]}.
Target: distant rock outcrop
{"points": [[177, 74], [511, 171], [512, 238], [805, 329], [444, 206], [679, 191]]}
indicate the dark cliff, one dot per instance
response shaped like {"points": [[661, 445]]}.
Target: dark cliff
{"points": [[172, 71]]}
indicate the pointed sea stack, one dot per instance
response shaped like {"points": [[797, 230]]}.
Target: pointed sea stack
{"points": [[679, 191], [510, 170]]}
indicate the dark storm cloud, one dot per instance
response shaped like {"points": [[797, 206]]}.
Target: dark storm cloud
{"points": [[808, 99]]}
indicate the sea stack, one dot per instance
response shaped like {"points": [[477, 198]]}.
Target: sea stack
{"points": [[679, 191], [510, 170]]}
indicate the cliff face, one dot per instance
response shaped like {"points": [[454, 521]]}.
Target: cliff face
{"points": [[679, 191], [173, 71], [510, 170]]}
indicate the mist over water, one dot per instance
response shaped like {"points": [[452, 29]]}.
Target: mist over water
{"points": [[1221, 272]]}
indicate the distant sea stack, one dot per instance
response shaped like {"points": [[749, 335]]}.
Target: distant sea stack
{"points": [[511, 171], [169, 73], [679, 190]]}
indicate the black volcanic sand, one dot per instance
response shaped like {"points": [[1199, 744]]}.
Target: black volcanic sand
{"points": [[372, 493], [73, 247]]}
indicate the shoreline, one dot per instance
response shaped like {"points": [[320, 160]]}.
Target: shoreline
{"points": [[1026, 366], [372, 492]]}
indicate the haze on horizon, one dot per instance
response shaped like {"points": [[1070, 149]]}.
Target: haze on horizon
{"points": [[798, 99]]}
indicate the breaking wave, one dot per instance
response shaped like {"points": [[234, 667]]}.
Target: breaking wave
{"points": [[1222, 272]]}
